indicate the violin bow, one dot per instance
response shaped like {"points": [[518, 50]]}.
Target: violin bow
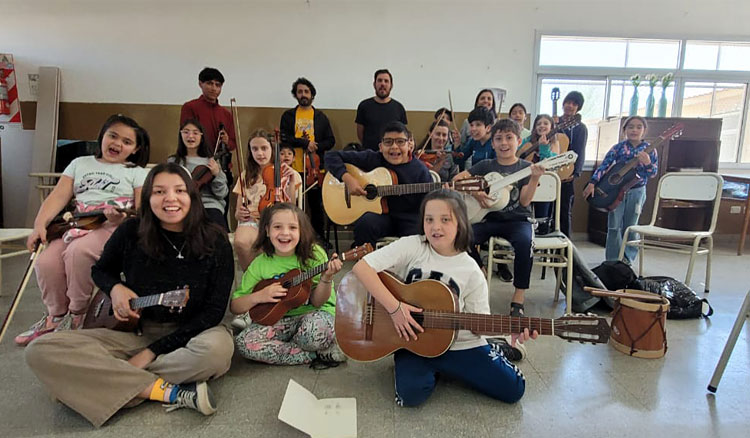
{"points": [[240, 150], [421, 150], [21, 289], [450, 104]]}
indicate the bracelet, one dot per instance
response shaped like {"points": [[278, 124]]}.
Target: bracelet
{"points": [[397, 309], [324, 281]]}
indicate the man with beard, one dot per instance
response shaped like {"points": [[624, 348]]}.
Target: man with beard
{"points": [[376, 112], [307, 130]]}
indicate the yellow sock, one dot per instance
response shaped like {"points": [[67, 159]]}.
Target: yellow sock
{"points": [[161, 391]]}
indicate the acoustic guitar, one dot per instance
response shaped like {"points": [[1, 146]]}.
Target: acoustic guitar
{"points": [[343, 208], [297, 284], [500, 186], [101, 315], [365, 332], [88, 220], [621, 177]]}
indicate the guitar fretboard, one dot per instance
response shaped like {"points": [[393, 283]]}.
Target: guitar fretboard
{"points": [[487, 324], [147, 301], [408, 189]]}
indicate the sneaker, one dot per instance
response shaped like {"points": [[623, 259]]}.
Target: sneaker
{"points": [[47, 324], [241, 322], [504, 272], [196, 396], [329, 358], [502, 344], [70, 322]]}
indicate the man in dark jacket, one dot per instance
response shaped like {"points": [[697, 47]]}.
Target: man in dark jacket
{"points": [[307, 130]]}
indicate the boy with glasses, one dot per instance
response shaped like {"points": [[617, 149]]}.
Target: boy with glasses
{"points": [[395, 154]]}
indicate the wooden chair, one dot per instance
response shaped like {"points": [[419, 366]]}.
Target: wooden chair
{"points": [[680, 187], [552, 250]]}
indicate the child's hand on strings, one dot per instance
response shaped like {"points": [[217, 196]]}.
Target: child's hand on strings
{"points": [[353, 185], [643, 158], [522, 337], [114, 216], [403, 322], [334, 266], [588, 190], [121, 296], [537, 171], [271, 294], [485, 200], [213, 166]]}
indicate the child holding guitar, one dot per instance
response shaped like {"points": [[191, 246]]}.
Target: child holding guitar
{"points": [[439, 253], [287, 241], [248, 212], [172, 244], [108, 180], [395, 154], [547, 147], [512, 222], [192, 153], [629, 210]]}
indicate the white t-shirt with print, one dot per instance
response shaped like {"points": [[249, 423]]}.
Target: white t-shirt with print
{"points": [[411, 258], [96, 182]]}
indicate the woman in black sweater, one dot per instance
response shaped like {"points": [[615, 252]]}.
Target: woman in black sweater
{"points": [[170, 245]]}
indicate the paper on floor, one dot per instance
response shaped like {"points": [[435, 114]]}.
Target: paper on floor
{"points": [[326, 418]]}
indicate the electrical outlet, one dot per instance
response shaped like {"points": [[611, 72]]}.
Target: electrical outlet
{"points": [[735, 209]]}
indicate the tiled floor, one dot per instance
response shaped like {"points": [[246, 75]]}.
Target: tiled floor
{"points": [[571, 389]]}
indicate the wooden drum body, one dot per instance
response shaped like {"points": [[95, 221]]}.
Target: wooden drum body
{"points": [[640, 328]]}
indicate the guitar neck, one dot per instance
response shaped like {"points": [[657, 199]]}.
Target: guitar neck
{"points": [[487, 324], [147, 301], [408, 189], [304, 276]]}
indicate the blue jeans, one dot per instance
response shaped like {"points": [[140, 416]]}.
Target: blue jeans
{"points": [[482, 368], [619, 219]]}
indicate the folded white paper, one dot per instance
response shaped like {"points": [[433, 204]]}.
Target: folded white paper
{"points": [[326, 418]]}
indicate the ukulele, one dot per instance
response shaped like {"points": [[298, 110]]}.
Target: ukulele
{"points": [[101, 315], [88, 220], [621, 177], [343, 208], [297, 284], [500, 186], [365, 332]]}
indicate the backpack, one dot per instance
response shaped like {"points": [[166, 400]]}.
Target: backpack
{"points": [[615, 274], [684, 303], [582, 276]]}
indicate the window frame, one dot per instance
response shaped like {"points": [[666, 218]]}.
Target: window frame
{"points": [[681, 76]]}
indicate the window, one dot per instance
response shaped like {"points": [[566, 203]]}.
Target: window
{"points": [[703, 55], [725, 101], [712, 81], [593, 91]]}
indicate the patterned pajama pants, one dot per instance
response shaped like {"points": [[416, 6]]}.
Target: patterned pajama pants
{"points": [[294, 340]]}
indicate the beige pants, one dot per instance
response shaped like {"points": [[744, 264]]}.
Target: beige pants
{"points": [[88, 370]]}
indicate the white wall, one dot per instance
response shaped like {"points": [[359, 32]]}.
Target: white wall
{"points": [[151, 51]]}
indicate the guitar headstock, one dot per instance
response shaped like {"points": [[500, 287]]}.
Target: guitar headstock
{"points": [[470, 184], [558, 161], [176, 299], [357, 252], [673, 132], [568, 122], [555, 95], [582, 328]]}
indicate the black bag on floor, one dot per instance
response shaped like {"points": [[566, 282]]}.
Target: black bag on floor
{"points": [[684, 303], [615, 274]]}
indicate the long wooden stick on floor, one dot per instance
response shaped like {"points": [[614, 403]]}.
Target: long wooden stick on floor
{"points": [[21, 288], [617, 294]]}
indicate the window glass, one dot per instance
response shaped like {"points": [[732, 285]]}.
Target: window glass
{"points": [[621, 92], [582, 52], [653, 54], [734, 57], [701, 56]]}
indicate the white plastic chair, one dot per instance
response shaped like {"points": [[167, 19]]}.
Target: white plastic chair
{"points": [[552, 250], [8, 235], [680, 186]]}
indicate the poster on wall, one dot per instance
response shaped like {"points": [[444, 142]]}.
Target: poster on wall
{"points": [[10, 106]]}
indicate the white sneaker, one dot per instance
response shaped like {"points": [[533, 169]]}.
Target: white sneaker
{"points": [[241, 322]]}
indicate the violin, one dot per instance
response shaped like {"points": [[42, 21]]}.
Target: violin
{"points": [[271, 176], [202, 173], [434, 158], [88, 220]]}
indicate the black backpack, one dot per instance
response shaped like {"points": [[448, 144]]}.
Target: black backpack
{"points": [[615, 274]]}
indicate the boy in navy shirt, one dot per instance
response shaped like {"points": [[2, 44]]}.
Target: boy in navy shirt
{"points": [[479, 146], [395, 153]]}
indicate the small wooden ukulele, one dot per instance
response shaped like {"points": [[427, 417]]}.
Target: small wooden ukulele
{"points": [[101, 314], [297, 284], [365, 332]]}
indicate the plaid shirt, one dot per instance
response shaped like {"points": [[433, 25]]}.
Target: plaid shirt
{"points": [[624, 151]]}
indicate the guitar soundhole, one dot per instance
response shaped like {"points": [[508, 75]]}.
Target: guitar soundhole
{"points": [[419, 317], [372, 191], [287, 284], [615, 179]]}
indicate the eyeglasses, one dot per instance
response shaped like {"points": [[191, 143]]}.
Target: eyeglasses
{"points": [[190, 131], [400, 142]]}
